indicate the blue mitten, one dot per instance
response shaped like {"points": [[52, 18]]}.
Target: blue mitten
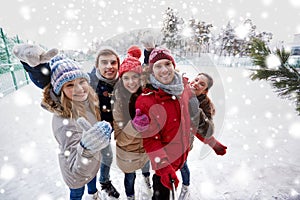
{"points": [[94, 137]]}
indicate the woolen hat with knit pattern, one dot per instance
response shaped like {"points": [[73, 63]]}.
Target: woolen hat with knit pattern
{"points": [[64, 70], [159, 53], [131, 62]]}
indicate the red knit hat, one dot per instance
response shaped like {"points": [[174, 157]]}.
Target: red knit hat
{"points": [[131, 63], [134, 51], [160, 53]]}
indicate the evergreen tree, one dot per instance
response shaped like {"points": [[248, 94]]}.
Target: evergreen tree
{"points": [[285, 79], [237, 40], [226, 39], [172, 26], [201, 34]]}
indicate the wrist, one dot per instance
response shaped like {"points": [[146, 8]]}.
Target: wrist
{"points": [[82, 145]]}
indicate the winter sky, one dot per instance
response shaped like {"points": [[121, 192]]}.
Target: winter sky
{"points": [[74, 24]]}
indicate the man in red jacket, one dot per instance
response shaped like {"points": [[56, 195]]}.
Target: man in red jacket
{"points": [[162, 115]]}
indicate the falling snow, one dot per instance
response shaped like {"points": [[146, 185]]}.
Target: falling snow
{"points": [[71, 26], [260, 129]]}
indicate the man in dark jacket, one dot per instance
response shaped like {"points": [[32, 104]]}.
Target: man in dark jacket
{"points": [[103, 78]]}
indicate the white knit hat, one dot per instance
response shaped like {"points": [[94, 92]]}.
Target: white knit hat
{"points": [[64, 70]]}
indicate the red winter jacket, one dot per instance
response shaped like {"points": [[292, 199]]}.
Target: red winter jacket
{"points": [[168, 136]]}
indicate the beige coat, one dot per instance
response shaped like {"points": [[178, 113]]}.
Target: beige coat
{"points": [[78, 165], [130, 153]]}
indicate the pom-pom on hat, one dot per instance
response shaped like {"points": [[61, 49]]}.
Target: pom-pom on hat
{"points": [[131, 63], [64, 70], [134, 51], [160, 53]]}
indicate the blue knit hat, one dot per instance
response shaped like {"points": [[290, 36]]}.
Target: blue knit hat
{"points": [[64, 70]]}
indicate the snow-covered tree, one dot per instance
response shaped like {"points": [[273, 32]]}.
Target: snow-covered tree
{"points": [[274, 67], [200, 35], [236, 41], [172, 26], [225, 40]]}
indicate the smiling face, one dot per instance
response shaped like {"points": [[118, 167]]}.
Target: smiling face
{"points": [[131, 81], [108, 66], [163, 71], [76, 90], [199, 85]]}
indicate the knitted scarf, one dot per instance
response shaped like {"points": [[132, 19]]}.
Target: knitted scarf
{"points": [[173, 88], [109, 81]]}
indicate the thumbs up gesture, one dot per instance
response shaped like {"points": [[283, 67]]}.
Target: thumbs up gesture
{"points": [[94, 137], [141, 121]]}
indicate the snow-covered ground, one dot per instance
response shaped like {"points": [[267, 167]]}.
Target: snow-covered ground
{"points": [[260, 129]]}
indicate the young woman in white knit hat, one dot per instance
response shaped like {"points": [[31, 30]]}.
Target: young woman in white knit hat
{"points": [[76, 123]]}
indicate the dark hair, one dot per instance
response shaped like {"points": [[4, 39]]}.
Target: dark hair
{"points": [[209, 78], [128, 100]]}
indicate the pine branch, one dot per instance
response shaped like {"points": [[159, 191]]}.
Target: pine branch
{"points": [[258, 52], [282, 55], [285, 80]]}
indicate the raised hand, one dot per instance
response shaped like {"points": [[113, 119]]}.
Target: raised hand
{"points": [[141, 121], [94, 137]]}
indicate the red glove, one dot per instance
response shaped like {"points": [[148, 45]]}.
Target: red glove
{"points": [[219, 148], [141, 121], [167, 174]]}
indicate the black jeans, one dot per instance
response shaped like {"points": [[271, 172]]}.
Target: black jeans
{"points": [[160, 192]]}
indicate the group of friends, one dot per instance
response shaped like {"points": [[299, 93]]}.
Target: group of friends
{"points": [[150, 109]]}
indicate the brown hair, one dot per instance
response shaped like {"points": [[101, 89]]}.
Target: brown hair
{"points": [[209, 78], [105, 52]]}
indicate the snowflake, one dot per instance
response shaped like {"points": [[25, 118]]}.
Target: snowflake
{"points": [[294, 130], [7, 172], [25, 12], [272, 61], [243, 30], [157, 159]]}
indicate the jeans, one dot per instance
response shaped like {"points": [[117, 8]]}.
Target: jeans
{"points": [[185, 174], [76, 194], [106, 160], [130, 179]]}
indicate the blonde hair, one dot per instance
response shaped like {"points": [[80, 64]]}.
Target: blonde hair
{"points": [[75, 109], [65, 107]]}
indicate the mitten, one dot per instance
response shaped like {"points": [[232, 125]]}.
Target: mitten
{"points": [[148, 42], [141, 121], [32, 54], [94, 137], [167, 175], [219, 148], [194, 110]]}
